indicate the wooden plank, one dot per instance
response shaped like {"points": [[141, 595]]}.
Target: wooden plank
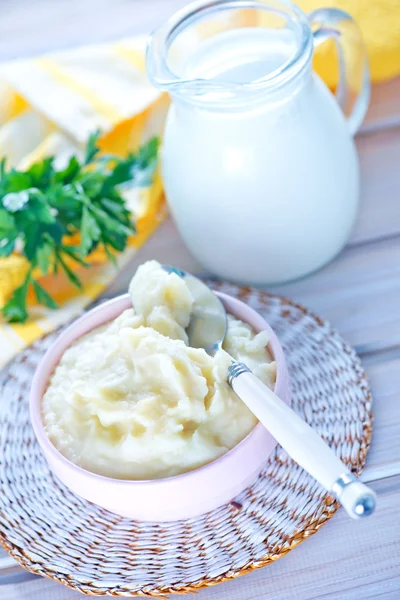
{"points": [[11, 572], [384, 455], [28, 28], [384, 109], [359, 293], [379, 213], [347, 559]]}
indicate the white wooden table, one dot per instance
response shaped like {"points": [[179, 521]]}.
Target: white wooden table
{"points": [[359, 293]]}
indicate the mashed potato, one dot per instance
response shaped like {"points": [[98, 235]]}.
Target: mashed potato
{"points": [[132, 400]]}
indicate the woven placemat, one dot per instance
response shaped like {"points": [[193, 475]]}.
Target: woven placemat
{"points": [[52, 532]]}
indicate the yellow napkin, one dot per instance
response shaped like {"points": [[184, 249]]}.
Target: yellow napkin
{"points": [[49, 105], [379, 22]]}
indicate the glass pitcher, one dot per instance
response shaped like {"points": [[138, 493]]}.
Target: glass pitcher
{"points": [[258, 159]]}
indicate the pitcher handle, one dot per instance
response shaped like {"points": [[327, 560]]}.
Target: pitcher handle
{"points": [[353, 90]]}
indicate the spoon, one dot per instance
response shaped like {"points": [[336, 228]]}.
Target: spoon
{"points": [[207, 329]]}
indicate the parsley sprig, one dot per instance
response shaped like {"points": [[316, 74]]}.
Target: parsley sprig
{"points": [[42, 207]]}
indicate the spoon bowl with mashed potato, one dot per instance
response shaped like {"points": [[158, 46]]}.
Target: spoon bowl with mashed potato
{"points": [[130, 417]]}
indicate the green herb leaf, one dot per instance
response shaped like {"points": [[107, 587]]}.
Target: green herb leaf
{"points": [[148, 152], [15, 310], [92, 148], [74, 279], [74, 253], [143, 171], [54, 232], [110, 255], [14, 181], [43, 256], [63, 198], [43, 206], [92, 183], [69, 173], [7, 246], [55, 265], [3, 167], [117, 209], [41, 173], [33, 237], [120, 173], [42, 296], [108, 223], [38, 209], [7, 222], [90, 231]]}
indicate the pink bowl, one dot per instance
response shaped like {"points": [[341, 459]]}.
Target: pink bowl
{"points": [[173, 498]]}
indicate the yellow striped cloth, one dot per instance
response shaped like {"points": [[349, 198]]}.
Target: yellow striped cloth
{"points": [[49, 105]]}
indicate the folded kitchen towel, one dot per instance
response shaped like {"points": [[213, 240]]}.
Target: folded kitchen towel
{"points": [[48, 106]]}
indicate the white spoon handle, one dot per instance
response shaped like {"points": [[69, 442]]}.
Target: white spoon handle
{"points": [[302, 443]]}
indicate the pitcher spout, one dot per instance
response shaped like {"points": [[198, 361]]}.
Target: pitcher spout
{"points": [[169, 50], [192, 55]]}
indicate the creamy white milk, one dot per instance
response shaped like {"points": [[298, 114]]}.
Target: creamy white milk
{"points": [[263, 190]]}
